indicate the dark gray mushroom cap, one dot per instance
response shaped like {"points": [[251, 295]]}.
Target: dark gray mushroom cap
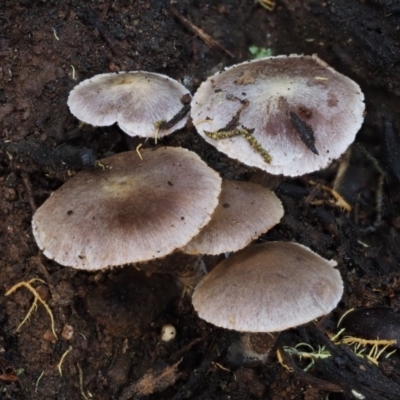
{"points": [[244, 212], [130, 211], [139, 101], [268, 288], [299, 110]]}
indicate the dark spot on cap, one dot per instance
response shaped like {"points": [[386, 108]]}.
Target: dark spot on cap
{"points": [[170, 183], [226, 205], [304, 112], [332, 101], [69, 212], [186, 98]]}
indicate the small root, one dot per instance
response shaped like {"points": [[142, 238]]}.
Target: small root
{"points": [[88, 396], [37, 298], [59, 366], [138, 151]]}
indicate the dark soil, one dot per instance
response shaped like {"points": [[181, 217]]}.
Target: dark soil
{"points": [[46, 48]]}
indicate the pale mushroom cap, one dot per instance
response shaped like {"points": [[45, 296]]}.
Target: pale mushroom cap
{"points": [[137, 100], [130, 211], [244, 212], [329, 102], [268, 288]]}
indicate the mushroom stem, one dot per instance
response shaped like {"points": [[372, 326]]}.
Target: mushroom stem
{"points": [[194, 272], [266, 180], [189, 269], [252, 348]]}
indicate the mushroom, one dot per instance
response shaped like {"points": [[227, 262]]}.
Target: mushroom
{"points": [[142, 103], [268, 287], [287, 115], [128, 210], [244, 212]]}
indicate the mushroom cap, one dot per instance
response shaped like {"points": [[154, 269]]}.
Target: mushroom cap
{"points": [[244, 212], [265, 96], [268, 287], [137, 100], [129, 211]]}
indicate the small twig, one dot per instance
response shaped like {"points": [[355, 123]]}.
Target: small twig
{"points": [[186, 348], [201, 34], [28, 188], [379, 188], [220, 366]]}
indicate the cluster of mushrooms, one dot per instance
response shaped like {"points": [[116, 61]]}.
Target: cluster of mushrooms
{"points": [[287, 115]]}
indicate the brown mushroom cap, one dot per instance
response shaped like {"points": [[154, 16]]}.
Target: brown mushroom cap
{"points": [[294, 107], [130, 211], [137, 100], [244, 212], [268, 287]]}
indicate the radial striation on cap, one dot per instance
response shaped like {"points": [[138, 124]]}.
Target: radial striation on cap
{"points": [[287, 115], [244, 212], [268, 288], [143, 103], [131, 210]]}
